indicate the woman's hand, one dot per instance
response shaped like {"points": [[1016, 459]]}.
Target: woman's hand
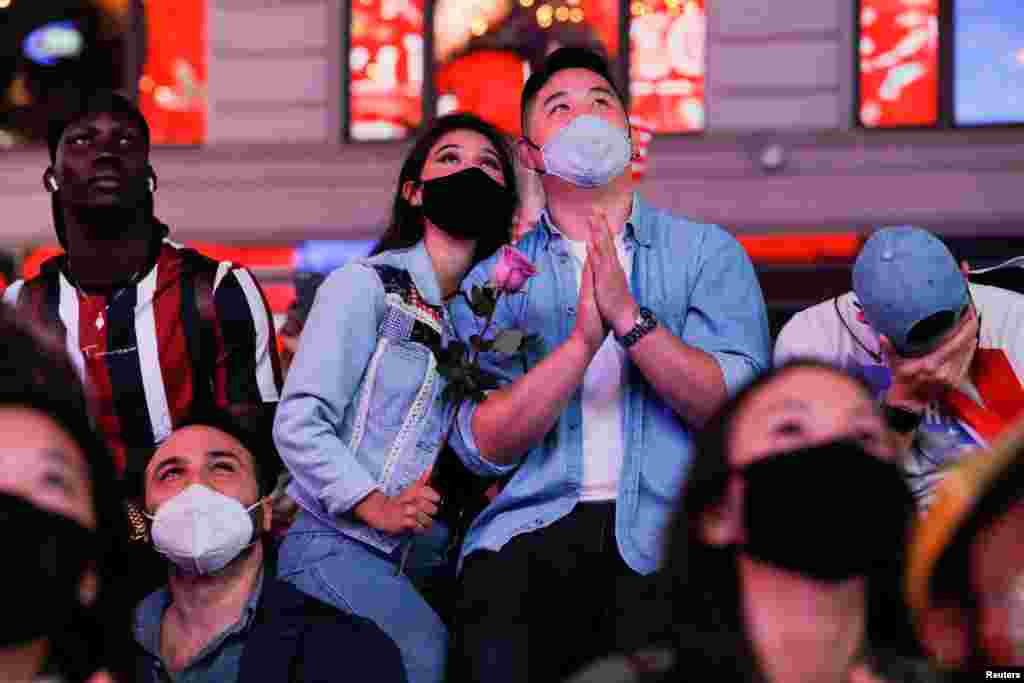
{"points": [[411, 510]]}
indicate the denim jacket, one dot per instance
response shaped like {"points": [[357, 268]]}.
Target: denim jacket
{"points": [[701, 285], [362, 408]]}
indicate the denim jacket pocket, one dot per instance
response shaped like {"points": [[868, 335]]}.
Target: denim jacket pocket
{"points": [[395, 377], [403, 461]]}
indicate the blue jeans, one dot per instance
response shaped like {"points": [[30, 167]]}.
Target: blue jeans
{"points": [[355, 578]]}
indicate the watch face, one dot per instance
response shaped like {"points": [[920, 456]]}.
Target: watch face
{"points": [[647, 320]]}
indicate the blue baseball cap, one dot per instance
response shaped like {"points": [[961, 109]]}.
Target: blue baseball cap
{"points": [[910, 288]]}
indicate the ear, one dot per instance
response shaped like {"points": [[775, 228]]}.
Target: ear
{"points": [[529, 156], [101, 677], [944, 634], [862, 674], [886, 347], [50, 180], [89, 586], [412, 192], [722, 525]]}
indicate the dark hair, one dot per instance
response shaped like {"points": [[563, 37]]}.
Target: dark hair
{"points": [[265, 459], [407, 228], [702, 581], [561, 59], [76, 104], [36, 374]]}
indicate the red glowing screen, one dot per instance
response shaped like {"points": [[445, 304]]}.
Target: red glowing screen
{"points": [[385, 68], [666, 64], [172, 90], [899, 63], [484, 50]]}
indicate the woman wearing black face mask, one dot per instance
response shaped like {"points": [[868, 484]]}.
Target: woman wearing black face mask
{"points": [[786, 552], [361, 421], [64, 618]]}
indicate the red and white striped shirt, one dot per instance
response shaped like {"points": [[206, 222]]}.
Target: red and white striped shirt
{"points": [[191, 331]]}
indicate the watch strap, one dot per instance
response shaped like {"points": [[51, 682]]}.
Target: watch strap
{"points": [[645, 322]]}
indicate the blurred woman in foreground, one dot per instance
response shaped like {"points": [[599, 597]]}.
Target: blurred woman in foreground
{"points": [[786, 552], [64, 619]]}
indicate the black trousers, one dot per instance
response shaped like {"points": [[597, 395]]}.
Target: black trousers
{"points": [[551, 601]]}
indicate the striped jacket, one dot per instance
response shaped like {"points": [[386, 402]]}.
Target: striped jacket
{"points": [[191, 332]]}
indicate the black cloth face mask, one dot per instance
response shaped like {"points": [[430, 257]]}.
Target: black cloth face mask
{"points": [[45, 556], [468, 204], [829, 512]]}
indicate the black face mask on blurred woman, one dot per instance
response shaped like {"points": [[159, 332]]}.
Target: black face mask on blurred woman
{"points": [[468, 204], [829, 512], [45, 556]]}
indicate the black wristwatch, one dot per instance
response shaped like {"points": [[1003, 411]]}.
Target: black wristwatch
{"points": [[901, 420], [645, 322]]}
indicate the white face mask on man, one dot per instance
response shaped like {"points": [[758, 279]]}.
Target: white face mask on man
{"points": [[201, 530], [589, 152]]}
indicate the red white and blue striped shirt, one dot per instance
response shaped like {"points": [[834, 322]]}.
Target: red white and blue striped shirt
{"points": [[191, 330]]}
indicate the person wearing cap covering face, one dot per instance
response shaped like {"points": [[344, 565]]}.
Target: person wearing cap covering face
{"points": [[965, 563], [223, 616], [155, 329], [651, 321], [943, 355]]}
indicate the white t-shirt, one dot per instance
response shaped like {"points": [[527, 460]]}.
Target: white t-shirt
{"points": [[820, 334], [603, 441]]}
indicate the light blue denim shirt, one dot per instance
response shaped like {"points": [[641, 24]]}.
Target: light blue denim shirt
{"points": [[219, 662], [362, 408], [701, 285]]}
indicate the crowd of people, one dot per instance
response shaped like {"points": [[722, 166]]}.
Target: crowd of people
{"points": [[578, 459]]}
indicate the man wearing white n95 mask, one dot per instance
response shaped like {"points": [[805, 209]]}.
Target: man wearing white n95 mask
{"points": [[223, 617]]}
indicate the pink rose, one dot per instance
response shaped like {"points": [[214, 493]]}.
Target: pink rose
{"points": [[512, 270]]}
